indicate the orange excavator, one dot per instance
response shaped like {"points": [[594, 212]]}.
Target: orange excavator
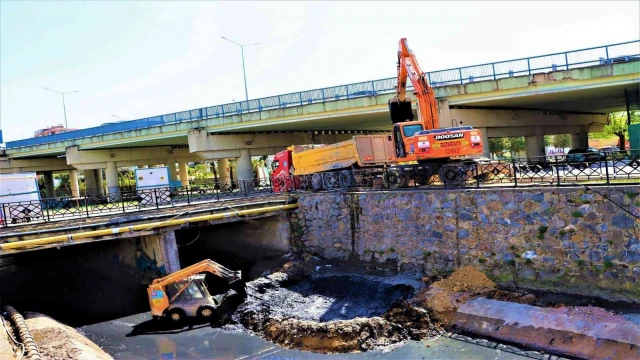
{"points": [[441, 150], [184, 293]]}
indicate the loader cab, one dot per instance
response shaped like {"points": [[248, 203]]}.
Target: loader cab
{"points": [[402, 137], [190, 297]]}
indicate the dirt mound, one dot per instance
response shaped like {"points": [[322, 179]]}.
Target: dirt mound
{"points": [[444, 297], [58, 341], [466, 278], [341, 336], [415, 320]]}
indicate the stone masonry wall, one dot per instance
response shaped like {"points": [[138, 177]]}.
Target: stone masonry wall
{"points": [[568, 239]]}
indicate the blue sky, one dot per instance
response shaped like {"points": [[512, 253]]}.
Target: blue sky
{"points": [[138, 59]]}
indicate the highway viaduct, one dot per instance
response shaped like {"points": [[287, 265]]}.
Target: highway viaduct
{"points": [[530, 102]]}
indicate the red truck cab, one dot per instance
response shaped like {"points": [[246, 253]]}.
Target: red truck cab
{"points": [[281, 178]]}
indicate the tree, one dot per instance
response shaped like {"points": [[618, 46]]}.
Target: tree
{"points": [[497, 146], [617, 126], [560, 141], [201, 172], [515, 145]]}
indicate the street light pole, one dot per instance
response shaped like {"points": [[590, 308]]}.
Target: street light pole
{"points": [[64, 106], [244, 73]]}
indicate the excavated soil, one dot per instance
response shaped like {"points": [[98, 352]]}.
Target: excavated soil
{"points": [[331, 313], [7, 351], [58, 341]]}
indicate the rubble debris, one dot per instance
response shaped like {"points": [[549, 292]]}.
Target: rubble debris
{"points": [[586, 332], [58, 341]]}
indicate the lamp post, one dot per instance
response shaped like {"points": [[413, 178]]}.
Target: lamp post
{"points": [[117, 117], [64, 107], [243, 70]]}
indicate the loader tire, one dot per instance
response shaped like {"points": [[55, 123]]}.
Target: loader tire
{"points": [[207, 313], [177, 316]]}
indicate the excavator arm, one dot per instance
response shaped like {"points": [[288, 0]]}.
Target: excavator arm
{"points": [[408, 67]]}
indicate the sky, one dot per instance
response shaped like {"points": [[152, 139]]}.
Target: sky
{"points": [[139, 59]]}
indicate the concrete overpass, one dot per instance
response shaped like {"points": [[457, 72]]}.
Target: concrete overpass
{"points": [[552, 97]]}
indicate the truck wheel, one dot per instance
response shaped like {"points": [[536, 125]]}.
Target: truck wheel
{"points": [[451, 175], [177, 316], [316, 182], [346, 179], [392, 177], [423, 174]]}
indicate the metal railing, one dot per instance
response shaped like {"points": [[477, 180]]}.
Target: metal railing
{"points": [[608, 54], [615, 169]]}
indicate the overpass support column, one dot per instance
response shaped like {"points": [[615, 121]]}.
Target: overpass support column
{"points": [[484, 134], [173, 172], [49, 188], [534, 146], [579, 140], [99, 182], [112, 178], [244, 166], [184, 173], [90, 182], [444, 113], [223, 170], [73, 179]]}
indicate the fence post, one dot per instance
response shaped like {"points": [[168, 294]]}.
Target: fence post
{"points": [[301, 102], [478, 172], [557, 170], [529, 66], [566, 60], [155, 196], [86, 204], [606, 50], [46, 202], [373, 87], [244, 185], [188, 195], [122, 201], [218, 191], [460, 74], [515, 173], [606, 167], [493, 68], [4, 216]]}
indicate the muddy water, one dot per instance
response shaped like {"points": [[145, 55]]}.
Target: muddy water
{"points": [[205, 342]]}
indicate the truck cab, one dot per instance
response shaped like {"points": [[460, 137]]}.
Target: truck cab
{"points": [[282, 178]]}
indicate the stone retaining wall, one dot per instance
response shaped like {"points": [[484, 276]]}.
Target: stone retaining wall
{"points": [[568, 239]]}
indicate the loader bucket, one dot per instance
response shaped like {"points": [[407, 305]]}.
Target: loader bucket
{"points": [[400, 111]]}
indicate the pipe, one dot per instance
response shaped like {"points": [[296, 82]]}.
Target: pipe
{"points": [[25, 334], [132, 219], [141, 227]]}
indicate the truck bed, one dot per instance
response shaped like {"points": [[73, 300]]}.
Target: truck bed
{"points": [[361, 150]]}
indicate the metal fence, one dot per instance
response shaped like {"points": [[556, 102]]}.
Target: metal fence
{"points": [[615, 169], [607, 54]]}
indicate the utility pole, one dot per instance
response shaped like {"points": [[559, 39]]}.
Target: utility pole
{"points": [[64, 107], [246, 93]]}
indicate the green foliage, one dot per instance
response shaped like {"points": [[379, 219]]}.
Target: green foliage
{"points": [[608, 264], [631, 194], [426, 254], [580, 262], [576, 214], [617, 126], [528, 261], [515, 145], [200, 172], [561, 141], [562, 232], [482, 260], [542, 229], [497, 146], [511, 263], [610, 242]]}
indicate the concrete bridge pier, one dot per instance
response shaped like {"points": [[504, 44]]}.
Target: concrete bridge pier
{"points": [[484, 134], [223, 171], [112, 178], [184, 173], [93, 182], [244, 166], [173, 172], [73, 179], [580, 140], [534, 145], [49, 187]]}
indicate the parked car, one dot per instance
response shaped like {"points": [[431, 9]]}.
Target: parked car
{"points": [[584, 156], [609, 150]]}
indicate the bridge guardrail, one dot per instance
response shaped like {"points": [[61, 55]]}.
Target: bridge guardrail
{"points": [[616, 169], [607, 54]]}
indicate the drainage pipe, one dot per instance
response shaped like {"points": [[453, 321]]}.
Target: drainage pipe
{"points": [[25, 334], [140, 227]]}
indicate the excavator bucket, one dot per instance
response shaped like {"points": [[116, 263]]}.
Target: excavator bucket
{"points": [[400, 111]]}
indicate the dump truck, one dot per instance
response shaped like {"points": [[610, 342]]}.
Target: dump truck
{"points": [[184, 294]]}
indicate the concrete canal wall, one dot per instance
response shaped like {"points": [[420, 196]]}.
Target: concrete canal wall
{"points": [[568, 239]]}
